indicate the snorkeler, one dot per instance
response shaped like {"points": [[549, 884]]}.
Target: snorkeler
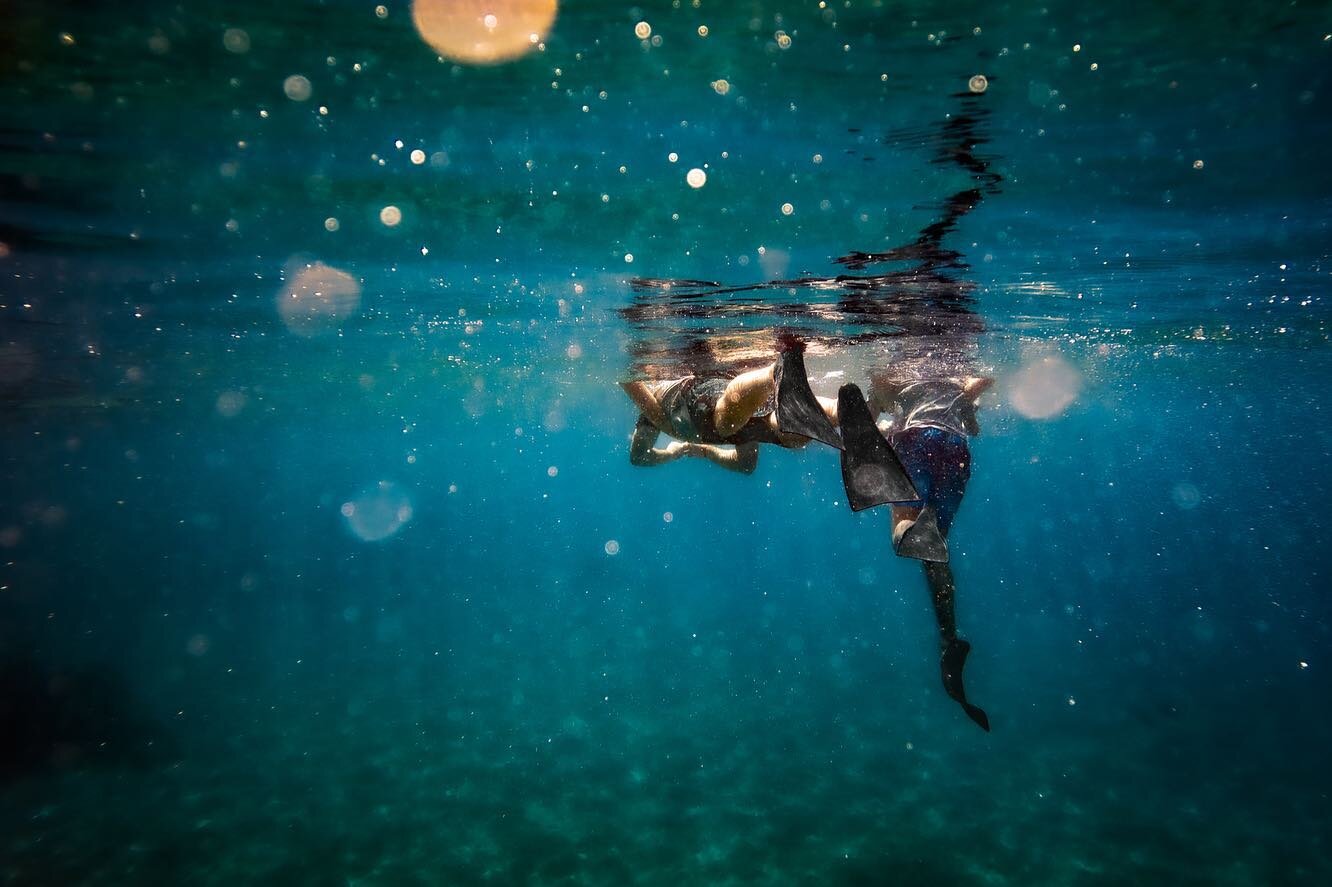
{"points": [[927, 426], [705, 416]]}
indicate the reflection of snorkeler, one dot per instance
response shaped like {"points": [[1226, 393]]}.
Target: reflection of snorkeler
{"points": [[928, 423], [707, 415]]}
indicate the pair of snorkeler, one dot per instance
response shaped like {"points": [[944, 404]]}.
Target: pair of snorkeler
{"points": [[916, 460]]}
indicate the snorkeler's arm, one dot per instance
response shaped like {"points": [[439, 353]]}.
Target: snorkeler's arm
{"points": [[742, 460], [642, 452]]}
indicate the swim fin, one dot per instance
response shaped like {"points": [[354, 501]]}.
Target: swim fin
{"points": [[798, 410], [950, 663], [871, 472], [921, 539]]}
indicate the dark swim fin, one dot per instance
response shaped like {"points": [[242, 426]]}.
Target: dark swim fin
{"points": [[871, 472], [951, 662], [921, 538], [798, 410]]}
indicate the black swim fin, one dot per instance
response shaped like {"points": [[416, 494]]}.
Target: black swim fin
{"points": [[871, 472], [951, 662], [921, 538], [798, 410]]}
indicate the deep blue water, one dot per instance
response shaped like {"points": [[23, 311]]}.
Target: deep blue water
{"points": [[369, 591]]}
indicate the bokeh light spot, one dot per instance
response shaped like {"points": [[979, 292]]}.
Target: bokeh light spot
{"points": [[317, 298], [1044, 388], [483, 32], [391, 216], [235, 40], [297, 88], [696, 178], [379, 512], [230, 403]]}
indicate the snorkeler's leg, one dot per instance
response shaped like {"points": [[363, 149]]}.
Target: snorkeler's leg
{"points": [[953, 657], [742, 398]]}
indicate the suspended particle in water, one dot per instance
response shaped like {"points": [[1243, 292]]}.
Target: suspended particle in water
{"points": [[331, 224], [1197, 164], [721, 87], [696, 178], [642, 30], [483, 32], [672, 157], [379, 512], [702, 30], [317, 298], [629, 258], [381, 11], [787, 209], [390, 216], [66, 39], [978, 83], [783, 39], [418, 157], [235, 40], [552, 471], [1045, 387], [297, 88], [612, 547], [667, 516]]}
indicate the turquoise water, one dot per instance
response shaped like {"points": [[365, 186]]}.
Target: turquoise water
{"points": [[323, 557]]}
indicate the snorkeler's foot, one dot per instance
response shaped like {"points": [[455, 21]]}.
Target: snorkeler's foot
{"points": [[951, 663], [871, 472], [920, 538], [798, 410]]}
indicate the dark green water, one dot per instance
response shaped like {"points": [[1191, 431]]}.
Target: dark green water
{"points": [[322, 559]]}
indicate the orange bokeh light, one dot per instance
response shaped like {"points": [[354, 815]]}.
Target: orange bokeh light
{"points": [[483, 32]]}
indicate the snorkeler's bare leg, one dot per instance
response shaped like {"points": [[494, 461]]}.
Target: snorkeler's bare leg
{"points": [[797, 441], [742, 398], [904, 513]]}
